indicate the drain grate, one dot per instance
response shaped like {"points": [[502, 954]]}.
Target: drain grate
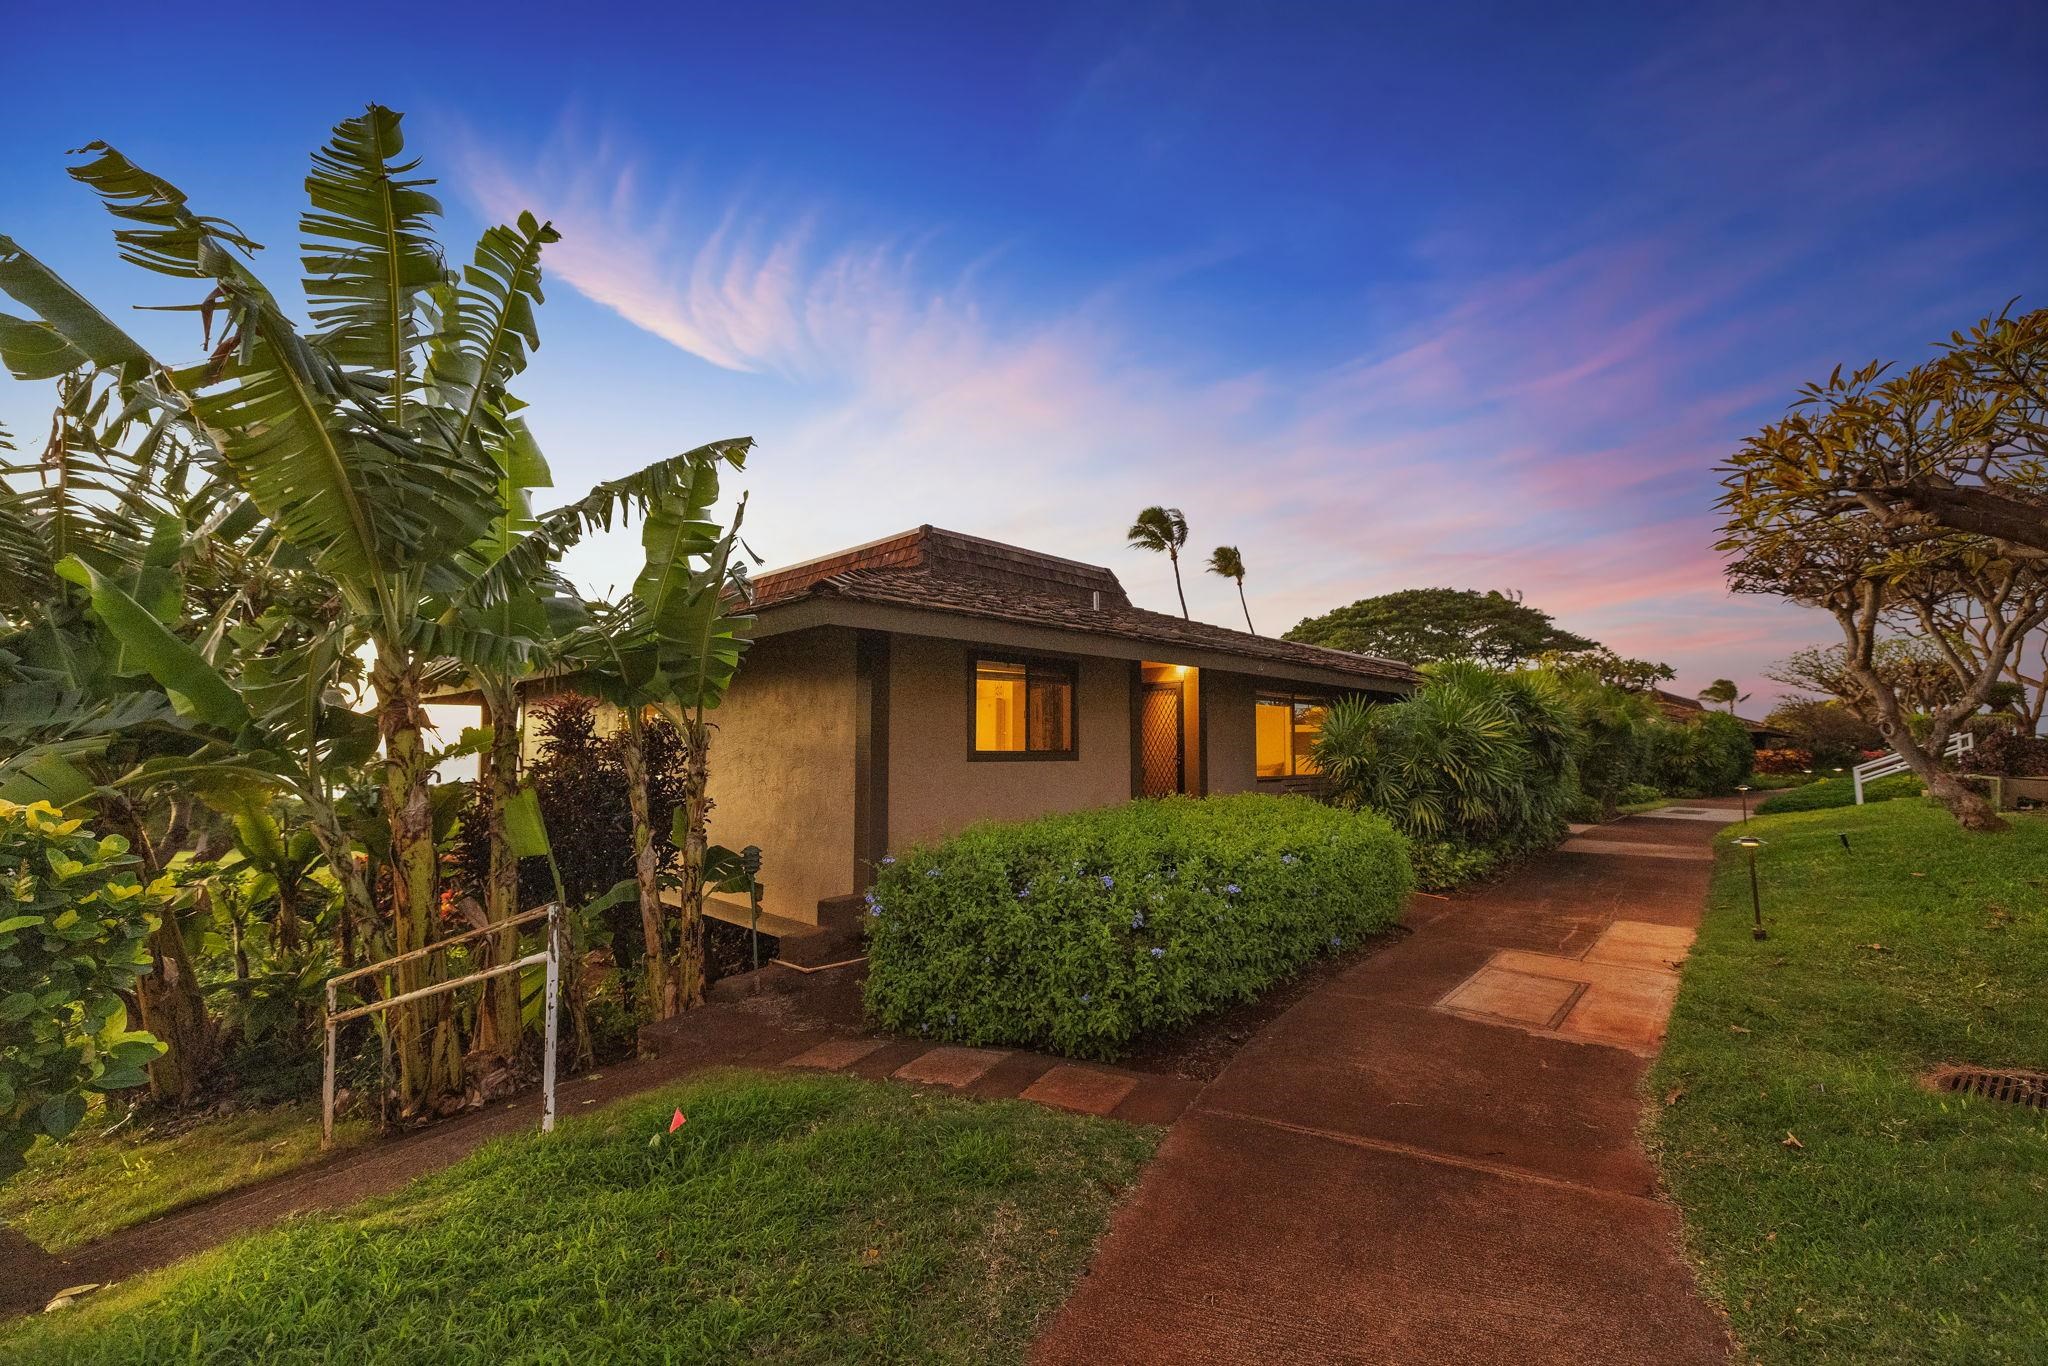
{"points": [[2007, 1086]]}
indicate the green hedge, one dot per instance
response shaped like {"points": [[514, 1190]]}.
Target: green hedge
{"points": [[1078, 933], [1827, 792]]}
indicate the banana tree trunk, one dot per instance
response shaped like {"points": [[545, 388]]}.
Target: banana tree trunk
{"points": [[415, 870], [689, 961], [358, 907], [167, 997], [499, 1026], [656, 1001]]}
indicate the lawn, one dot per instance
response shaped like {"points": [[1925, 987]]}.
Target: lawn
{"points": [[98, 1181], [1839, 791], [1840, 1210], [793, 1218]]}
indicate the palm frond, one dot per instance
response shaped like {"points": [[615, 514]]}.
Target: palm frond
{"points": [[678, 477], [167, 237], [369, 252], [69, 331], [488, 326]]}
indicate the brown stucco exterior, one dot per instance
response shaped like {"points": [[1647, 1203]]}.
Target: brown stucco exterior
{"points": [[1228, 700], [934, 789], [782, 768]]}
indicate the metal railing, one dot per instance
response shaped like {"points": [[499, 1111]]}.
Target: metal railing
{"points": [[551, 955], [1959, 744]]}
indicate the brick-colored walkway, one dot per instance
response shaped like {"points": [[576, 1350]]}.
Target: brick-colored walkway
{"points": [[1434, 1157]]}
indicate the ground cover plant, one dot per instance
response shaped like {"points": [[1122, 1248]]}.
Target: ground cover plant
{"points": [[1838, 791], [98, 1181], [1080, 932], [1841, 1210], [792, 1218]]}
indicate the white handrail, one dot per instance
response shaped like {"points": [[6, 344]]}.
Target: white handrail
{"points": [[1959, 744], [551, 955]]}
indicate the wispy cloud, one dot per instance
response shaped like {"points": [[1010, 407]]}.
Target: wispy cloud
{"points": [[1549, 427]]}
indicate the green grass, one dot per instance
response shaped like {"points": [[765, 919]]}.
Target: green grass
{"points": [[1905, 1225], [1832, 792], [795, 1218], [1776, 782], [96, 1182]]}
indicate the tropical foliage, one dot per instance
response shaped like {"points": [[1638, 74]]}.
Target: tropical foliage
{"points": [[1481, 764], [74, 925], [1081, 932], [232, 583], [1427, 625]]}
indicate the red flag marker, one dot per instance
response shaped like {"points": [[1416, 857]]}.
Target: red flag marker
{"points": [[678, 1122]]}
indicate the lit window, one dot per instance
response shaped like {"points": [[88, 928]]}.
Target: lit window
{"points": [[1285, 730], [1023, 708]]}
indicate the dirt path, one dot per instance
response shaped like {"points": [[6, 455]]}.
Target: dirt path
{"points": [[1434, 1157]]}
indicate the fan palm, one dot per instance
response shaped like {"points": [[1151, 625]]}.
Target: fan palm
{"points": [[1226, 560], [1164, 530]]}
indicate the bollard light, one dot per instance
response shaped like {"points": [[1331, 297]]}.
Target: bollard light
{"points": [[1743, 788], [1750, 844]]}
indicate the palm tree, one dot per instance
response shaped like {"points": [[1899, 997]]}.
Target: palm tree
{"points": [[1724, 691], [1225, 560], [1162, 529]]}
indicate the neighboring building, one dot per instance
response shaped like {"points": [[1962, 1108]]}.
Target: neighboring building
{"points": [[1686, 710], [903, 689]]}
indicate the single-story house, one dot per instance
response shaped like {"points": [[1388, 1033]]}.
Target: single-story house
{"points": [[1687, 710], [903, 689]]}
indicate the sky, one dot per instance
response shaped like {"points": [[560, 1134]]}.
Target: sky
{"points": [[1387, 296]]}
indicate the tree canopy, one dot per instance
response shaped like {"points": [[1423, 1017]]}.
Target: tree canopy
{"points": [[1424, 625]]}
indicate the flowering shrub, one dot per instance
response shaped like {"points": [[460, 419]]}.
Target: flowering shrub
{"points": [[1784, 760], [1080, 932], [73, 926]]}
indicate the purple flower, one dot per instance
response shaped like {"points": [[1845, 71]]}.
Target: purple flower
{"points": [[1288, 859], [1023, 894], [1108, 881], [1231, 889], [931, 872], [1086, 998], [874, 904], [1336, 941], [888, 859], [1138, 921], [1158, 953]]}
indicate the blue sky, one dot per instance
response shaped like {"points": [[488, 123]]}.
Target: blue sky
{"points": [[1387, 296]]}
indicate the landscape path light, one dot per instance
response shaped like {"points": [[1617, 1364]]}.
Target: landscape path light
{"points": [[1743, 788], [1750, 844]]}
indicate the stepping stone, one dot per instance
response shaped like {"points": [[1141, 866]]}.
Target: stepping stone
{"points": [[1683, 852], [1689, 813], [1536, 1000], [951, 1066], [1640, 944], [835, 1054], [1080, 1088]]}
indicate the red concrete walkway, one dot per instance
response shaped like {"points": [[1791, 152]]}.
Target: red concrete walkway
{"points": [[1434, 1158]]}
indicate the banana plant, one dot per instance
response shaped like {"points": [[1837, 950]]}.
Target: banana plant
{"points": [[374, 448]]}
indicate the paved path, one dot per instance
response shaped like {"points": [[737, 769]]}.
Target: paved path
{"points": [[1434, 1157]]}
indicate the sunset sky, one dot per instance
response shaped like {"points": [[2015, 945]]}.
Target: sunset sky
{"points": [[1388, 296]]}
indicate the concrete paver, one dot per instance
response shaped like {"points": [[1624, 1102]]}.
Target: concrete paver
{"points": [[1080, 1088]]}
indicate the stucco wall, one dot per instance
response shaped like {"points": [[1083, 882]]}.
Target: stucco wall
{"points": [[934, 789], [1227, 701], [782, 768]]}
